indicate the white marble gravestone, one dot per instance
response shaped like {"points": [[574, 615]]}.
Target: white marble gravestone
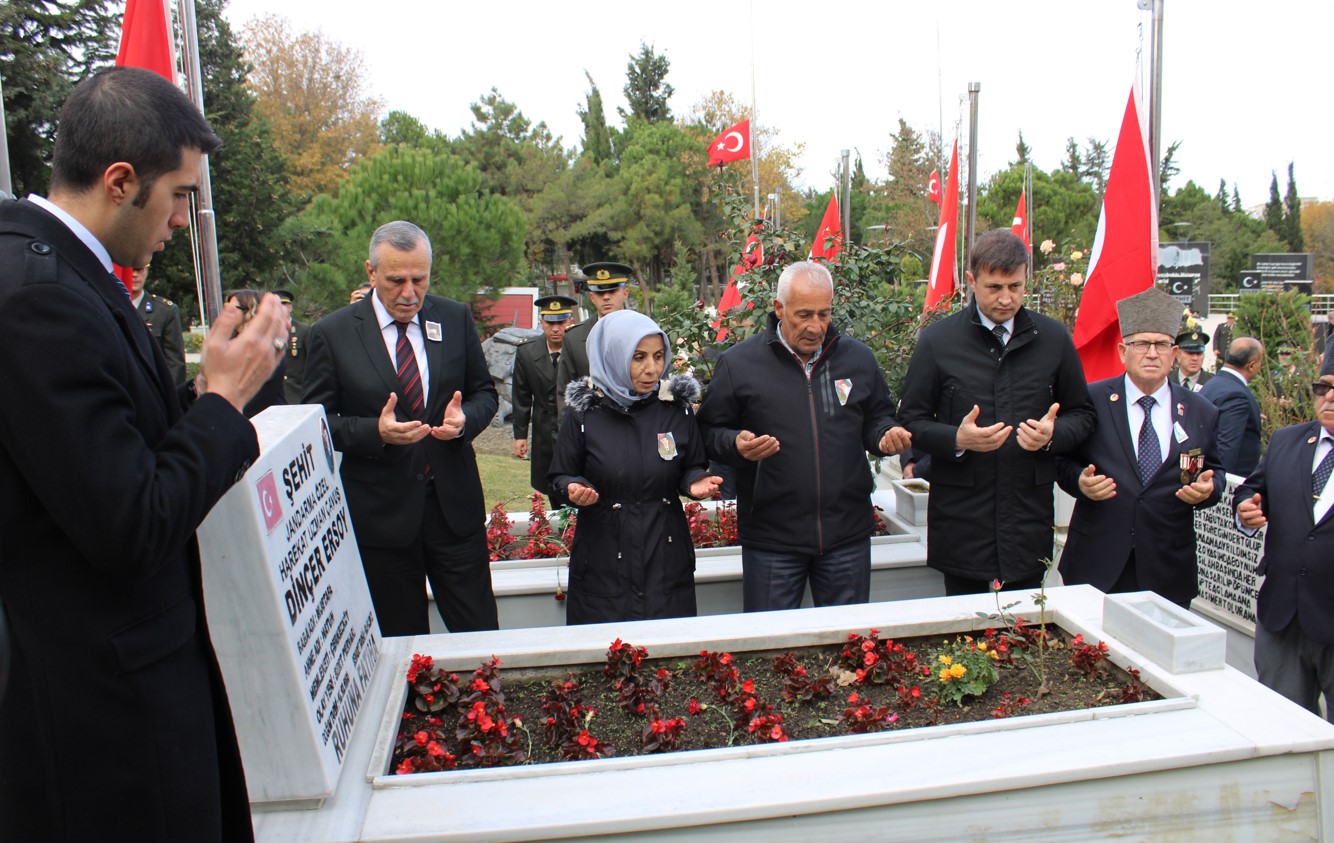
{"points": [[288, 609]]}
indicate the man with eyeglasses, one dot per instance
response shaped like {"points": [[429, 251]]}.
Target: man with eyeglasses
{"points": [[1238, 411], [1152, 461], [1290, 494]]}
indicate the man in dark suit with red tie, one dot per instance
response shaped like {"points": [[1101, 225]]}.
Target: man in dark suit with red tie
{"points": [[1151, 462], [115, 723], [406, 387], [1290, 492]]}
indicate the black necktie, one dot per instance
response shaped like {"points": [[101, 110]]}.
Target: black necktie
{"points": [[1150, 457], [999, 332], [1322, 473], [555, 359]]}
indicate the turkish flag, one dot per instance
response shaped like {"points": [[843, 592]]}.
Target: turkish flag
{"points": [[1020, 224], [1125, 250], [829, 236], [944, 276], [145, 39], [751, 256], [732, 145], [933, 187]]}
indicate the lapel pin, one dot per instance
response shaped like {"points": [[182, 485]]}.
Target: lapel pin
{"points": [[1181, 409], [1115, 397], [1310, 441], [433, 331]]}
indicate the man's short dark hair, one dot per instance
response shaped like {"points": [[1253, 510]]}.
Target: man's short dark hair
{"points": [[1000, 251], [131, 115]]}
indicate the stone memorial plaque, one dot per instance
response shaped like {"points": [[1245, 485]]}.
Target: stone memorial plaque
{"points": [[1227, 558], [288, 609]]}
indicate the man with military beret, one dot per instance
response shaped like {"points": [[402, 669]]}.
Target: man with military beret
{"points": [[534, 389], [298, 338], [163, 319], [1189, 370], [1150, 463], [607, 288]]}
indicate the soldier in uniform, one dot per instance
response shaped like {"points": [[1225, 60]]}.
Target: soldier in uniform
{"points": [[534, 392], [608, 291], [1189, 370], [1223, 340], [295, 376], [163, 320]]}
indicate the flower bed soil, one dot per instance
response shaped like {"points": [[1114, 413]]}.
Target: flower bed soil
{"points": [[636, 705]]}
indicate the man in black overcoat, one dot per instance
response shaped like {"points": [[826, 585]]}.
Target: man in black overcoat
{"points": [[536, 364], [993, 393], [115, 724]]}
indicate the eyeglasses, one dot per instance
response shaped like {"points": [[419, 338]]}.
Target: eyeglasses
{"points": [[1320, 389], [1143, 346]]}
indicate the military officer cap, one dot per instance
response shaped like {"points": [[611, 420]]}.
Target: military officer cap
{"points": [[284, 296], [1191, 337], [607, 276], [555, 308], [1150, 311]]}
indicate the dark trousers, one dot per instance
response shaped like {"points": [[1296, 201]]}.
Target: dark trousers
{"points": [[1296, 667], [771, 580], [955, 586], [458, 568]]}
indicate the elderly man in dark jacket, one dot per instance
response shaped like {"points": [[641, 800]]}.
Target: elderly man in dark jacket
{"points": [[993, 393], [795, 409]]}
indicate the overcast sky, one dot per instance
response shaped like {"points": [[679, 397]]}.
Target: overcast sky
{"points": [[1244, 84]]}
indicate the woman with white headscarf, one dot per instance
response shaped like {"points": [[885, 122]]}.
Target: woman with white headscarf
{"points": [[628, 449]]}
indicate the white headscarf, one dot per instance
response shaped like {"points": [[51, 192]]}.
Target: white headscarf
{"points": [[611, 346]]}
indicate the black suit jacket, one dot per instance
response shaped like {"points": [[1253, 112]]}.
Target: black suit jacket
{"points": [[1148, 519], [349, 371], [104, 477], [1238, 422], [534, 396], [1298, 560]]}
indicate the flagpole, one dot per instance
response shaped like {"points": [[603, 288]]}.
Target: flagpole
{"points": [[974, 90], [1028, 210], [1155, 8], [210, 276], [6, 180], [845, 188], [754, 118]]}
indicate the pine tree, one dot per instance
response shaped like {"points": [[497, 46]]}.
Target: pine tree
{"points": [[1292, 215], [1073, 165], [1022, 149], [1236, 200], [646, 88], [1168, 169], [597, 137], [1221, 197], [1273, 215]]}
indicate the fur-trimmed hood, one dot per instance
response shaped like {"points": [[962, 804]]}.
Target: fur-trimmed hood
{"points": [[581, 395]]}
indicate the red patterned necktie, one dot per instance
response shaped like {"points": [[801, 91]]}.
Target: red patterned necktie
{"points": [[409, 376]]}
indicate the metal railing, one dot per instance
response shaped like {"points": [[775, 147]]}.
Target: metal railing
{"points": [[1322, 304]]}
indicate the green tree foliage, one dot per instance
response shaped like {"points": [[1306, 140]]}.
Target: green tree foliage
{"points": [[679, 292], [248, 176], [646, 88], [900, 202], [1273, 215], [1022, 150], [597, 143], [1292, 215], [46, 47], [477, 237], [1168, 169], [1278, 321], [662, 170], [1063, 208], [400, 127], [1234, 237]]}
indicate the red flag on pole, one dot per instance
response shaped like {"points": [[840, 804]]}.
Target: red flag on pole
{"points": [[829, 236], [145, 39], [732, 145], [1020, 224], [943, 273], [933, 187], [1125, 250], [751, 256]]}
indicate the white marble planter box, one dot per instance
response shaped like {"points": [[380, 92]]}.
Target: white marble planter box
{"points": [[910, 500], [1219, 758], [1165, 632]]}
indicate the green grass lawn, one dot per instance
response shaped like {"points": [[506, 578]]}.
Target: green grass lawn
{"points": [[505, 479]]}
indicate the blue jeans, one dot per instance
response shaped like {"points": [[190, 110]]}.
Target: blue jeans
{"points": [[774, 580]]}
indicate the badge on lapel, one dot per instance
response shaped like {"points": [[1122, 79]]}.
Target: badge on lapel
{"points": [[433, 331], [1179, 432], [843, 386], [1115, 397]]}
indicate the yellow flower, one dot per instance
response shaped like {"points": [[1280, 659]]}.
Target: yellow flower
{"points": [[945, 674], [1074, 256], [993, 654], [982, 645], [958, 670], [946, 660]]}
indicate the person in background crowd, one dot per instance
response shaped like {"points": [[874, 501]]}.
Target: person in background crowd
{"points": [[247, 301], [795, 409], [405, 385], [536, 362], [993, 394], [1223, 339], [163, 319], [629, 447], [1189, 369], [1151, 462], [106, 472], [1290, 493], [607, 284], [359, 292], [298, 339], [1238, 411]]}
